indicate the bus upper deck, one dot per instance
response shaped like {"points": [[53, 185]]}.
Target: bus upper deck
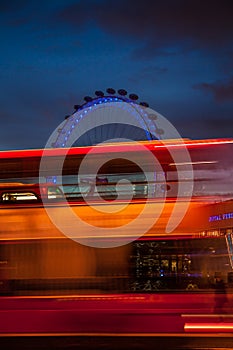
{"points": [[209, 161]]}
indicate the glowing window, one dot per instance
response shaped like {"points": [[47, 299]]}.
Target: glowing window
{"points": [[12, 197], [54, 192]]}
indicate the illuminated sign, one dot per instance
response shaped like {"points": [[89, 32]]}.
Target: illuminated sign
{"points": [[221, 217]]}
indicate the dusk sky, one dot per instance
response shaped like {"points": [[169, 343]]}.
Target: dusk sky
{"points": [[176, 55]]}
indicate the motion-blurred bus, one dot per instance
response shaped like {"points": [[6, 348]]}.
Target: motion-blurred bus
{"points": [[37, 257]]}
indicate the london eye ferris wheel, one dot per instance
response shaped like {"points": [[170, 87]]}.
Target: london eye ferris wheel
{"points": [[114, 115]]}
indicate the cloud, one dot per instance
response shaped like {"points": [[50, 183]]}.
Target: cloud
{"points": [[222, 91], [204, 23]]}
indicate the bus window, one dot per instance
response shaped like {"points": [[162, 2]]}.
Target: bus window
{"points": [[54, 192], [12, 197]]}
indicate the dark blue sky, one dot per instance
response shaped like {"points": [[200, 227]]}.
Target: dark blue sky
{"points": [[176, 55]]}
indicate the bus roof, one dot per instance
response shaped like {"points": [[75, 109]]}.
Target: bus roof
{"points": [[113, 147]]}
